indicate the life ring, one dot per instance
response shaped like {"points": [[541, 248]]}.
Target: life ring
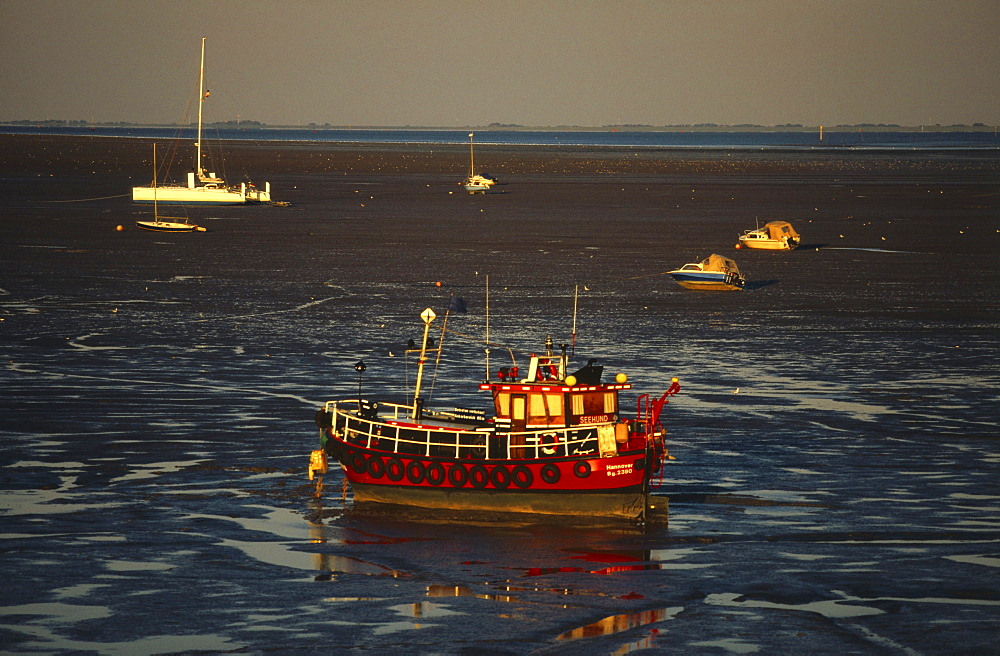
{"points": [[416, 472], [358, 463], [458, 475], [550, 473], [394, 470], [522, 477], [500, 477], [478, 476], [547, 372], [550, 443], [435, 473], [582, 469], [376, 468]]}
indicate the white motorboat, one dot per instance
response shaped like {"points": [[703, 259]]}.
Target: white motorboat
{"points": [[773, 236], [714, 273]]}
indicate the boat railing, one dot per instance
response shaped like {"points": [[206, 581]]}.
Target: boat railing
{"points": [[474, 443], [396, 410]]}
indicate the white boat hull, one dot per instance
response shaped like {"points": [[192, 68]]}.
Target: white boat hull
{"points": [[766, 244], [177, 195], [708, 280], [773, 236], [168, 226]]}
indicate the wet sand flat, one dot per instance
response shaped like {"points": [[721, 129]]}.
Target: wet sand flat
{"points": [[835, 488]]}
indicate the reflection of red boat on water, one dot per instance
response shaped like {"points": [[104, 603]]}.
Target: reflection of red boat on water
{"points": [[557, 443]]}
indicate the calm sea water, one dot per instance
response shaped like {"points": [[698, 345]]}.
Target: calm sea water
{"points": [[848, 138], [836, 483]]}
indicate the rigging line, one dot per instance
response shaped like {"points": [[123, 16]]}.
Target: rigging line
{"points": [[648, 275], [217, 147], [84, 200]]}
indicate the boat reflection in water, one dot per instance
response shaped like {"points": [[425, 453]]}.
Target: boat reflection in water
{"points": [[624, 622]]}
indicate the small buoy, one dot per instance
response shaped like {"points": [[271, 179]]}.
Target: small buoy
{"points": [[119, 228], [437, 284], [737, 247]]}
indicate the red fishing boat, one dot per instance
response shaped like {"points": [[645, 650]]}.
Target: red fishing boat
{"points": [[555, 443]]}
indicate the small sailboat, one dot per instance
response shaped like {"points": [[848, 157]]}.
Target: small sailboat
{"points": [[714, 273], [165, 223], [773, 236], [203, 187], [476, 184]]}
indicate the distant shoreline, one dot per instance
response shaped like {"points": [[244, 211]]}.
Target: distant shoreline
{"points": [[495, 127]]}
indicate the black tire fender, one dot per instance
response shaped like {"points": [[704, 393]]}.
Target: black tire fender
{"points": [[522, 477]]}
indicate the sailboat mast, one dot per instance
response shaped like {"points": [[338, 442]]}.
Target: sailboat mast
{"points": [[156, 213], [201, 99], [472, 163]]}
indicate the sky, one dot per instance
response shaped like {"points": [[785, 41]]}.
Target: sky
{"points": [[447, 63]]}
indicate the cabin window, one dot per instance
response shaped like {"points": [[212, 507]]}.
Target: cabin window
{"points": [[610, 405], [577, 404], [537, 405], [554, 405], [503, 404], [545, 407]]}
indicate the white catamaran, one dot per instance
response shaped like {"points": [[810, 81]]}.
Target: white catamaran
{"points": [[203, 187]]}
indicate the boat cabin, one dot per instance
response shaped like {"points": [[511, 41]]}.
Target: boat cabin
{"points": [[548, 398]]}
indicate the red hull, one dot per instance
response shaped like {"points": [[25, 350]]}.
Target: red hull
{"points": [[601, 487]]}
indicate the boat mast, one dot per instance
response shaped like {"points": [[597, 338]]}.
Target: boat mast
{"points": [[156, 213], [201, 99], [472, 164], [487, 349], [428, 316]]}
